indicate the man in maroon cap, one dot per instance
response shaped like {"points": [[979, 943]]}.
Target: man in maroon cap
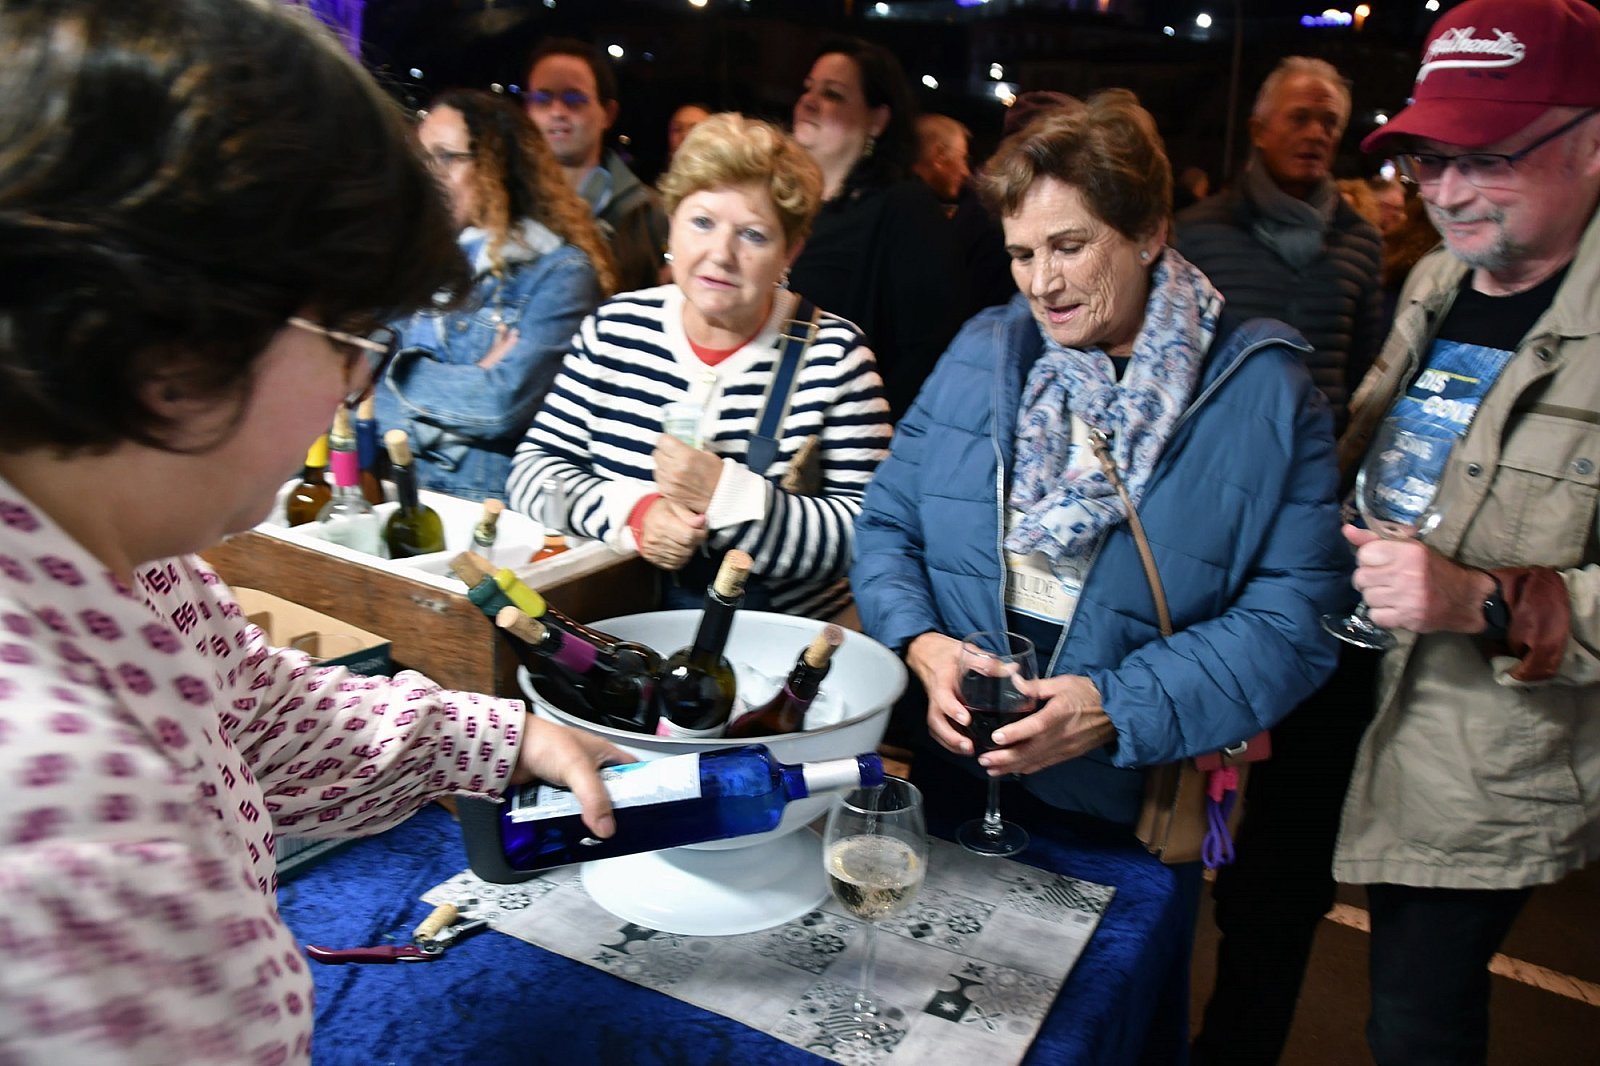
{"points": [[1479, 777]]}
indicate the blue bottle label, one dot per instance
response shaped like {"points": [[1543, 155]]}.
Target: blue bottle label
{"points": [[631, 785]]}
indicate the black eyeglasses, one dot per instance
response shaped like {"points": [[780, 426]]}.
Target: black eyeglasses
{"points": [[1486, 170], [371, 356], [442, 159], [570, 98]]}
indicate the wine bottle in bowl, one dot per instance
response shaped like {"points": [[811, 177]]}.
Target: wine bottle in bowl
{"points": [[665, 803], [697, 686], [785, 712]]}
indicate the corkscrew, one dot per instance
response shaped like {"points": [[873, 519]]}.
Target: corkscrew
{"points": [[445, 927]]}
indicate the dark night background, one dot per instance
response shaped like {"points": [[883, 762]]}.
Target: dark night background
{"points": [[751, 55]]}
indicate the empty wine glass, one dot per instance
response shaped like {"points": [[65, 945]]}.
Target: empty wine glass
{"points": [[992, 662], [1394, 492], [875, 850]]}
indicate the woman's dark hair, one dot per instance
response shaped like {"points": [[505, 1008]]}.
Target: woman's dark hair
{"points": [[177, 178], [883, 82], [1108, 149], [517, 177]]}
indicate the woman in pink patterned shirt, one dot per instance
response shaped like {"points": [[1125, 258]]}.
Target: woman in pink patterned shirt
{"points": [[206, 209]]}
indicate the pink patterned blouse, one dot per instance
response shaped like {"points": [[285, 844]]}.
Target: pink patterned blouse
{"points": [[151, 744]]}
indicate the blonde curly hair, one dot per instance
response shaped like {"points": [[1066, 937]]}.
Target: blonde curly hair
{"points": [[729, 149]]}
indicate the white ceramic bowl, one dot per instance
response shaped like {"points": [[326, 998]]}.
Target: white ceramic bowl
{"points": [[753, 882], [866, 677]]}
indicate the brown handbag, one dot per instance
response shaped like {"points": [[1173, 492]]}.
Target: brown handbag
{"points": [[1191, 807]]}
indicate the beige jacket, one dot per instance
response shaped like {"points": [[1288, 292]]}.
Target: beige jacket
{"points": [[1468, 778]]}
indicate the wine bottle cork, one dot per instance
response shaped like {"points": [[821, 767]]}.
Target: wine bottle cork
{"points": [[518, 593], [822, 648], [399, 447], [472, 568], [733, 573], [492, 509], [443, 916], [341, 433], [367, 409], [528, 630]]}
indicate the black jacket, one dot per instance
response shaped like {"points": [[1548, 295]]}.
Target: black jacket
{"points": [[1336, 301], [884, 258]]}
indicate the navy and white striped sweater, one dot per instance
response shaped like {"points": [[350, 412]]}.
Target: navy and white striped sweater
{"points": [[601, 418]]}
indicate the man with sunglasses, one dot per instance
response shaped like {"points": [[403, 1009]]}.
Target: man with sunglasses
{"points": [[1479, 777], [571, 95]]}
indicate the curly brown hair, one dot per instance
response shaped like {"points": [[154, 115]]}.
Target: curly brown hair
{"points": [[178, 178], [1109, 150], [516, 176]]}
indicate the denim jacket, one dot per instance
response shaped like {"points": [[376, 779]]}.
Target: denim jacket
{"points": [[465, 421]]}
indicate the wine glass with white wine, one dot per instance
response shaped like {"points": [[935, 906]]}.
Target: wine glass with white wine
{"points": [[1394, 493], [876, 853]]}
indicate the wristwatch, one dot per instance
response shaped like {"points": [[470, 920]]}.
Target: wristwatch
{"points": [[1496, 614]]}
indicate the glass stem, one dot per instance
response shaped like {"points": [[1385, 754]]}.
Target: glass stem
{"points": [[866, 1003], [991, 813]]}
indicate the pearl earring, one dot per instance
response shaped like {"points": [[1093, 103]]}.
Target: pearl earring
{"points": [[1144, 256], [666, 257], [783, 280]]}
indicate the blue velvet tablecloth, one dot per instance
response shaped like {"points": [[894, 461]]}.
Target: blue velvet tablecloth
{"points": [[494, 999]]}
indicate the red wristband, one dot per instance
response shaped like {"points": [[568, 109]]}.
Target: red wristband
{"points": [[636, 516]]}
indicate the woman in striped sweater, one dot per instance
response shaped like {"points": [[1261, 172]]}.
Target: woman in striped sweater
{"points": [[742, 197]]}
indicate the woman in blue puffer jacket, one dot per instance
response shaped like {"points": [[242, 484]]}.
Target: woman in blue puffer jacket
{"points": [[467, 381], [993, 514]]}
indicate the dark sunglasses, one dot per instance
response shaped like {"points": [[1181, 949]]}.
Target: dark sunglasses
{"points": [[572, 99]]}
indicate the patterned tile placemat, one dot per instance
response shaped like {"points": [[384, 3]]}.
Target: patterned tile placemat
{"points": [[970, 969]]}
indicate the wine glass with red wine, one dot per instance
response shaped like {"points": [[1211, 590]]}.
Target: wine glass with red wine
{"points": [[991, 664]]}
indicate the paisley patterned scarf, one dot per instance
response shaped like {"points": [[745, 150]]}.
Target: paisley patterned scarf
{"points": [[1067, 511]]}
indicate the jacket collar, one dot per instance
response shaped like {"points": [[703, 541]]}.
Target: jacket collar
{"points": [[1575, 312], [525, 242]]}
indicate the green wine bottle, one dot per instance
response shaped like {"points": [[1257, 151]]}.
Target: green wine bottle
{"points": [[414, 528]]}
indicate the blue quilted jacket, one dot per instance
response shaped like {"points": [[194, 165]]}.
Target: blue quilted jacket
{"points": [[1242, 520]]}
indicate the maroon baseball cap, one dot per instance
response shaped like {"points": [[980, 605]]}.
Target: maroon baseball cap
{"points": [[1491, 67]]}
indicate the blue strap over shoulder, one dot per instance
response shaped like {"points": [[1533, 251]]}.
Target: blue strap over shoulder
{"points": [[797, 336]]}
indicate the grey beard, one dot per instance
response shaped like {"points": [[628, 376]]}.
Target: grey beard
{"points": [[1500, 255]]}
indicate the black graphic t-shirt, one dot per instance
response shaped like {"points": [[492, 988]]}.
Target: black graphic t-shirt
{"points": [[1474, 344]]}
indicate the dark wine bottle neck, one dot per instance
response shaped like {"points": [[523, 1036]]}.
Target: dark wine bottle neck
{"points": [[715, 623], [405, 486]]}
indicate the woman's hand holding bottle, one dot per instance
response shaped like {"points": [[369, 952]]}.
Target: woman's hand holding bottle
{"points": [[686, 476], [670, 534], [570, 757]]}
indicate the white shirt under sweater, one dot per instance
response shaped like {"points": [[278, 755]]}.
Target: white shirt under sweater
{"points": [[602, 417], [151, 744]]}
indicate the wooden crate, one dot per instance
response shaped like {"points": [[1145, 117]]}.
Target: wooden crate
{"points": [[438, 632]]}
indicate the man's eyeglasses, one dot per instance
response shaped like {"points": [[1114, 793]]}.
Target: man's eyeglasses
{"points": [[571, 99], [364, 365], [1486, 170], [442, 159]]}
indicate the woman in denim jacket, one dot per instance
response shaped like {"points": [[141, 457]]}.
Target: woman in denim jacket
{"points": [[467, 382]]}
